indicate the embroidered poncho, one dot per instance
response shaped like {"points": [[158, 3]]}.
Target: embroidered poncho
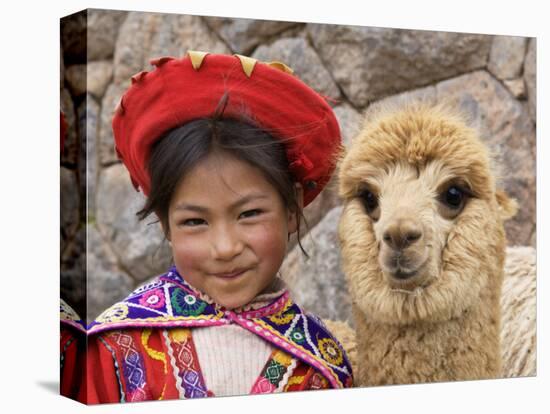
{"points": [[142, 347]]}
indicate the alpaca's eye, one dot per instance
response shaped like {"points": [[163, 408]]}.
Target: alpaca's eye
{"points": [[452, 200], [454, 197], [370, 201]]}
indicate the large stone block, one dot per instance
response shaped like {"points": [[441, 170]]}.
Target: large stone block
{"points": [[299, 55], [318, 283], [506, 127], [140, 247], [506, 56], [88, 115], [243, 35], [106, 144], [107, 282], [370, 63], [145, 36], [103, 27], [100, 74]]}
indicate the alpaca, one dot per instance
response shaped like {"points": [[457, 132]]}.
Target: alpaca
{"points": [[518, 331], [423, 247]]}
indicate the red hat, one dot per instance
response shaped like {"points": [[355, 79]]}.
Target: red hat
{"points": [[180, 90]]}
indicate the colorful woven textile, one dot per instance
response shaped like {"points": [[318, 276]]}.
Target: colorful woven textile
{"points": [[143, 346], [68, 316]]}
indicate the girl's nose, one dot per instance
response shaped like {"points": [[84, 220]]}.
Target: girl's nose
{"points": [[226, 243]]}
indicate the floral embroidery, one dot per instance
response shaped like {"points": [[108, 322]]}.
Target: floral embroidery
{"points": [[297, 335], [284, 316], [301, 335], [186, 304], [330, 350], [114, 313], [153, 299]]}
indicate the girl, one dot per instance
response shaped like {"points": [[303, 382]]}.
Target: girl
{"points": [[228, 150]]}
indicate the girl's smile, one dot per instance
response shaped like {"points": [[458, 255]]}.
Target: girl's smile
{"points": [[228, 228], [230, 275]]}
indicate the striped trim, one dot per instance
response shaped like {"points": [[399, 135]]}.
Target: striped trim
{"points": [[117, 368]]}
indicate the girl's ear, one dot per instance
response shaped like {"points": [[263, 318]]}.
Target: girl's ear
{"points": [[294, 216]]}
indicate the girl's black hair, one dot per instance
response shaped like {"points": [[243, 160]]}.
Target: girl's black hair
{"points": [[181, 148]]}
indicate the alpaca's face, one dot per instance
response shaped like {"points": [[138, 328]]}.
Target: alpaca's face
{"points": [[412, 212], [421, 231]]}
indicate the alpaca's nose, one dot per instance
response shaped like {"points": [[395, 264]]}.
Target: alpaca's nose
{"points": [[402, 233]]}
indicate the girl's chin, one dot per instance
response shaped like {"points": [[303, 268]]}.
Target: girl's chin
{"points": [[232, 302]]}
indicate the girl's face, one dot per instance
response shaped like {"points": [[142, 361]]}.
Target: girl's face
{"points": [[228, 229]]}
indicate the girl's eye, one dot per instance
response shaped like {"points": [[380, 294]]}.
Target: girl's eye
{"points": [[250, 213], [193, 222]]}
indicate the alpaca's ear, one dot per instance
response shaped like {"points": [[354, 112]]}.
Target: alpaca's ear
{"points": [[508, 207]]}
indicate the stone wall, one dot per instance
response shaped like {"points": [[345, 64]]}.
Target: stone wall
{"points": [[491, 77]]}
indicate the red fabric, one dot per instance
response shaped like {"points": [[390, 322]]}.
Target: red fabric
{"points": [[101, 376], [102, 381], [175, 93], [72, 382]]}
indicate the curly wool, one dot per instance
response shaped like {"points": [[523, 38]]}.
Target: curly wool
{"points": [[518, 317], [448, 328]]}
